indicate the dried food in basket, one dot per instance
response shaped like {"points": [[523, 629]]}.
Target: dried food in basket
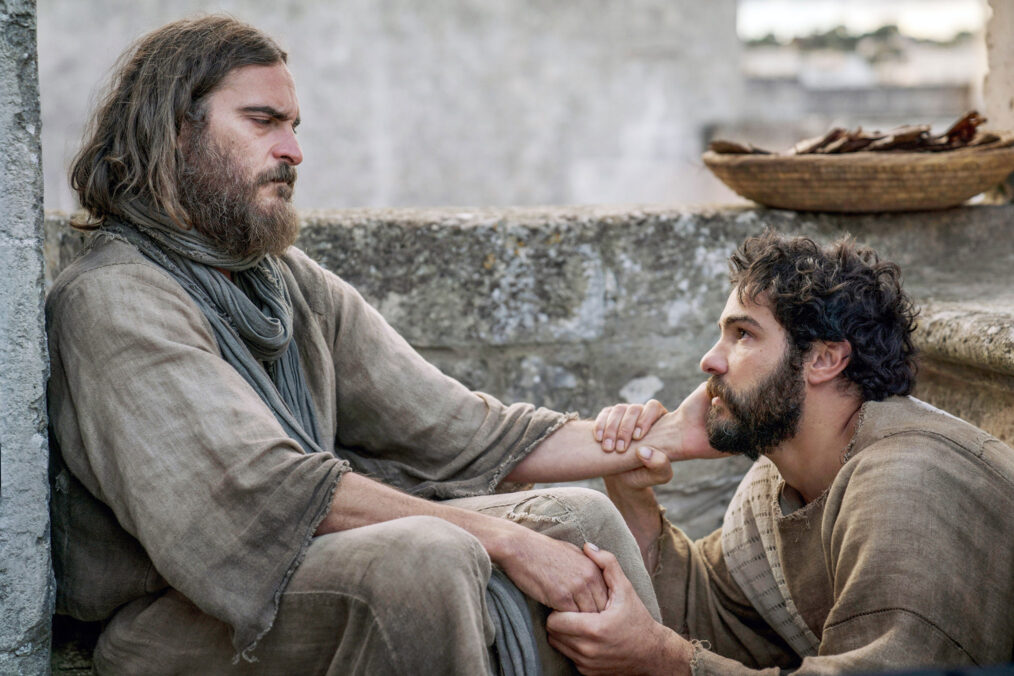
{"points": [[905, 169], [909, 138]]}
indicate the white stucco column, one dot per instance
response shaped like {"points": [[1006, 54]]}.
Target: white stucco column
{"points": [[998, 90]]}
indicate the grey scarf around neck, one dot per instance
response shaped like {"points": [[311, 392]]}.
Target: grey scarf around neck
{"points": [[251, 318], [252, 322]]}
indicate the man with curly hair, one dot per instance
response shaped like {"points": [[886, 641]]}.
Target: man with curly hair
{"points": [[874, 532]]}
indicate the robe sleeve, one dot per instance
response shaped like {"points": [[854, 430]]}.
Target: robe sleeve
{"points": [[403, 422], [185, 457], [700, 600]]}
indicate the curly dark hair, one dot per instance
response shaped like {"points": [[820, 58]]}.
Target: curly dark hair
{"points": [[842, 292], [130, 150]]}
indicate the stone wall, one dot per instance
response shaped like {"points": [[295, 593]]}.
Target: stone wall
{"points": [[25, 577], [578, 308], [450, 102]]}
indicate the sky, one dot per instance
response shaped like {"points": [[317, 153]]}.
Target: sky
{"points": [[932, 19]]}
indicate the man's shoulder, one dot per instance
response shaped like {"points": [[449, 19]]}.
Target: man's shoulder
{"points": [[901, 417], [108, 265], [902, 437], [324, 290]]}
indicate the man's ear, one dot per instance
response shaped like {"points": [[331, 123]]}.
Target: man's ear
{"points": [[827, 360]]}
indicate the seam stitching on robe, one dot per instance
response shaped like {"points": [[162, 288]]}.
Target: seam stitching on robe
{"points": [[925, 619], [952, 442], [343, 468]]}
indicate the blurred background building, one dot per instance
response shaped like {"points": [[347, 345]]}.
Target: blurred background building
{"points": [[476, 102], [876, 65]]}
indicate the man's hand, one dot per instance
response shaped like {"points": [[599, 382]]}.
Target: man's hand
{"points": [[617, 426], [655, 469], [554, 573], [682, 434], [622, 639]]}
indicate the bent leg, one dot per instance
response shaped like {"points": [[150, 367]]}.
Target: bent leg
{"points": [[576, 515], [403, 596]]}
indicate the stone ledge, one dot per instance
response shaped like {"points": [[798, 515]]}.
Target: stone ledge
{"points": [[972, 333], [967, 361], [579, 307]]}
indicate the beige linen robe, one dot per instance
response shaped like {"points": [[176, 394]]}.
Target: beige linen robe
{"points": [[169, 470], [906, 560]]}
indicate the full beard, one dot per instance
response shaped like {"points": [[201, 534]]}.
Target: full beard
{"points": [[222, 202], [762, 417]]}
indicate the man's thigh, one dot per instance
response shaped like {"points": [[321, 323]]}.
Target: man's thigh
{"points": [[403, 596]]}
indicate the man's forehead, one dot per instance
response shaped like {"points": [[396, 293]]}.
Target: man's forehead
{"points": [[257, 85], [758, 311]]}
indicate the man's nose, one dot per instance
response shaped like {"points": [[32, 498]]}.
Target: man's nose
{"points": [[287, 149], [713, 362]]}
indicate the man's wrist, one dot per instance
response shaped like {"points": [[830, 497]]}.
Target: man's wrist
{"points": [[676, 653], [667, 436], [500, 538], [641, 512]]}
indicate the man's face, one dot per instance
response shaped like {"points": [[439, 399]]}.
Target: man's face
{"points": [[239, 170], [756, 381]]}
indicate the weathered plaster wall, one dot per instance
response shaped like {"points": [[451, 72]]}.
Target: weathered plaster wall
{"points": [[997, 91], [577, 308], [445, 102], [25, 577]]}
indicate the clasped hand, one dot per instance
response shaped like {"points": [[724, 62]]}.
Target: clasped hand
{"points": [[680, 435]]}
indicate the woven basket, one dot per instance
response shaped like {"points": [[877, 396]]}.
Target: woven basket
{"points": [[864, 181]]}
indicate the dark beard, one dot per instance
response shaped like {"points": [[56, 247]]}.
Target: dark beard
{"points": [[222, 202], [762, 417]]}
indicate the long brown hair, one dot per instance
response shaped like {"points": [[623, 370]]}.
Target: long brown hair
{"points": [[130, 151]]}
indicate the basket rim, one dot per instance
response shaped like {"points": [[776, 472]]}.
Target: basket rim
{"points": [[865, 157]]}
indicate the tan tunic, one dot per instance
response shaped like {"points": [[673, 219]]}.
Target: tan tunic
{"points": [[906, 560], [173, 472]]}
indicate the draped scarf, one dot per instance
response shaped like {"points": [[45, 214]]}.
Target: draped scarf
{"points": [[251, 318]]}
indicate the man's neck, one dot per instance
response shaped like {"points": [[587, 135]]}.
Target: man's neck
{"points": [[809, 461]]}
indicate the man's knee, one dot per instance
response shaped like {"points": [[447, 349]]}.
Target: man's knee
{"points": [[408, 558], [575, 514]]}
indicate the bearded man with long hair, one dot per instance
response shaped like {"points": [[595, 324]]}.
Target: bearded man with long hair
{"points": [[252, 472]]}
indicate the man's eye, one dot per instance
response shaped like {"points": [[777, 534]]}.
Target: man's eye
{"points": [[742, 333], [261, 121]]}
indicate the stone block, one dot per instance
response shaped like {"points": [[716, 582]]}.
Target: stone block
{"points": [[26, 587], [578, 308]]}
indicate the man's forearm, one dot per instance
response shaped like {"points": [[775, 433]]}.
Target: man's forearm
{"points": [[554, 573], [572, 452], [641, 512], [360, 501], [569, 454]]}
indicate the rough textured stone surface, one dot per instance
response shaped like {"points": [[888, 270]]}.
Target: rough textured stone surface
{"points": [[444, 102], [25, 578], [577, 308]]}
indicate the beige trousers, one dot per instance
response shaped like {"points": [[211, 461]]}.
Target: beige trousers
{"points": [[405, 596]]}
